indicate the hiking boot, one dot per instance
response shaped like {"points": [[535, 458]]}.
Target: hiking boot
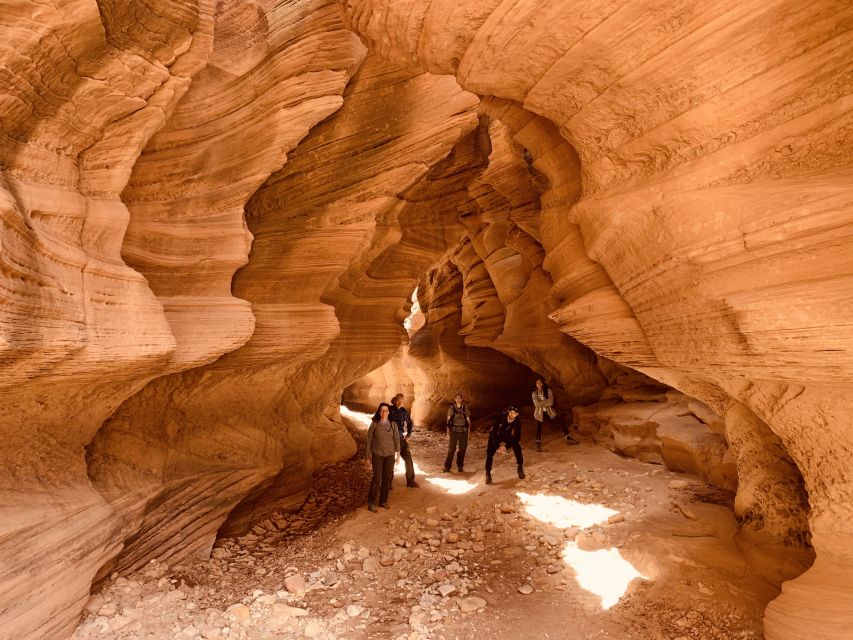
{"points": [[412, 484], [521, 472], [461, 469], [384, 505], [373, 508], [571, 440], [488, 477], [539, 446], [446, 470]]}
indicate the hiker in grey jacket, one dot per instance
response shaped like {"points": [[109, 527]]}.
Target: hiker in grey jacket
{"points": [[543, 407], [400, 416], [383, 447]]}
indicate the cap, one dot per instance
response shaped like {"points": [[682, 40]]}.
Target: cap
{"points": [[512, 407]]}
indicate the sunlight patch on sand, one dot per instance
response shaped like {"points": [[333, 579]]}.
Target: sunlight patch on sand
{"points": [[603, 572], [564, 513]]}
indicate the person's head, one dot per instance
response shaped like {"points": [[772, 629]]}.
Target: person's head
{"points": [[397, 401], [458, 399], [540, 383], [384, 410], [511, 412]]}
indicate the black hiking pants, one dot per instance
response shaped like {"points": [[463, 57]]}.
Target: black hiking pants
{"points": [[545, 416], [406, 455], [383, 471], [458, 439]]}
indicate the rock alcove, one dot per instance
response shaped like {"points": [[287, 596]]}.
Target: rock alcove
{"points": [[214, 213]]}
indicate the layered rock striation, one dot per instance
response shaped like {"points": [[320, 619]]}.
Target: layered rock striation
{"points": [[327, 249], [212, 215], [84, 87], [487, 379], [714, 192]]}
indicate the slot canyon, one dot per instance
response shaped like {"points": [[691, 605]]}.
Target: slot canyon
{"points": [[229, 229]]}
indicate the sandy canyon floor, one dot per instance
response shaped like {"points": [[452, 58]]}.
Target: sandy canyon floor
{"points": [[589, 546]]}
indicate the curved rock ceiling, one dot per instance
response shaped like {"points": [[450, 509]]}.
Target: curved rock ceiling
{"points": [[213, 212]]}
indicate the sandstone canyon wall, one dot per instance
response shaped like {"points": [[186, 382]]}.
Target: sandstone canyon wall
{"points": [[713, 177], [317, 297], [84, 88], [485, 307], [486, 379], [213, 213]]}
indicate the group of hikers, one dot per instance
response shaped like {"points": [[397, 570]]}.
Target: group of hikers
{"points": [[391, 427]]}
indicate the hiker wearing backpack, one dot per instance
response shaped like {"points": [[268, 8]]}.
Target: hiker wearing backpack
{"points": [[506, 432], [383, 447], [400, 417], [543, 403], [458, 427]]}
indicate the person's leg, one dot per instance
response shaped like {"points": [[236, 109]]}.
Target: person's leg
{"points": [[490, 454], [513, 444], [390, 484], [375, 481], [491, 447], [539, 435], [387, 474], [560, 422], [451, 449], [406, 455], [463, 447], [565, 429]]}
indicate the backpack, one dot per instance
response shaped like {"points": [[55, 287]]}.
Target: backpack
{"points": [[452, 418]]}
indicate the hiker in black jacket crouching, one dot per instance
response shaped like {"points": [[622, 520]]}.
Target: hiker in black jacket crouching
{"points": [[506, 432]]}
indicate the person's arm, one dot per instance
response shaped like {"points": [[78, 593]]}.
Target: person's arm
{"points": [[468, 418], [535, 396], [449, 418], [549, 400], [368, 449], [410, 426], [396, 432], [496, 429], [516, 429]]}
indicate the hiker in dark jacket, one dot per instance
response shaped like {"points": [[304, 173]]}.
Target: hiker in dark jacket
{"points": [[383, 446], [458, 428], [543, 408], [400, 416], [506, 432]]}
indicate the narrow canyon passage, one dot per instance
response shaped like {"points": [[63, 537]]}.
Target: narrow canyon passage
{"points": [[589, 545], [213, 217]]}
